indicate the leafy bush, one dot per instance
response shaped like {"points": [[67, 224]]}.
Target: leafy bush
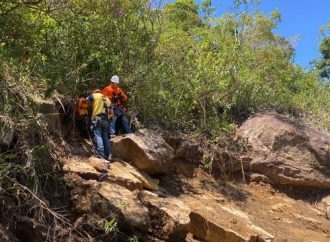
{"points": [[181, 66]]}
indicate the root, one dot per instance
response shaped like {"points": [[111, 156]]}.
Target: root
{"points": [[60, 221]]}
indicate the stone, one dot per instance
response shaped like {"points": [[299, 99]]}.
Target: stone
{"points": [[188, 169], [327, 212], [169, 217], [255, 177], [184, 148], [285, 151], [209, 231], [326, 200], [323, 207], [125, 202], [7, 128], [84, 170], [126, 175], [145, 149], [84, 193], [103, 201], [188, 150], [213, 228], [214, 221], [98, 164], [123, 178]]}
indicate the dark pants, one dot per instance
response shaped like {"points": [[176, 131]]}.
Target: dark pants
{"points": [[101, 137], [119, 121]]}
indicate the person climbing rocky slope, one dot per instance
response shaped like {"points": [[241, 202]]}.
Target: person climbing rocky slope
{"points": [[157, 188]]}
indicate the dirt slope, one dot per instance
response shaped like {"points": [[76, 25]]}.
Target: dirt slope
{"points": [[259, 206], [206, 208], [190, 204]]}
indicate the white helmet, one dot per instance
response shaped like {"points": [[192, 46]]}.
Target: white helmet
{"points": [[115, 79]]}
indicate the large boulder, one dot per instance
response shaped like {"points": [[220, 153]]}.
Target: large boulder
{"points": [[208, 230], [7, 128], [286, 152], [83, 169], [145, 149], [169, 217], [125, 202], [103, 201], [128, 176], [118, 172], [227, 224]]}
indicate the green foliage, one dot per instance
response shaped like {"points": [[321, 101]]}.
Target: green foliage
{"points": [[207, 8], [111, 226], [180, 65], [134, 238], [323, 65], [77, 44]]}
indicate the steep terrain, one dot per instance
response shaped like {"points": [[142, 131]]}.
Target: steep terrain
{"points": [[158, 188], [189, 204]]}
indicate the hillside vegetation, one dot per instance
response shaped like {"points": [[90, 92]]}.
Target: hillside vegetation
{"points": [[184, 69], [180, 64]]}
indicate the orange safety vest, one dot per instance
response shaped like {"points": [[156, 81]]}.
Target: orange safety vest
{"points": [[113, 93], [82, 106]]}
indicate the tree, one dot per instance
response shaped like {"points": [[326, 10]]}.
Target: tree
{"points": [[179, 63], [323, 65]]}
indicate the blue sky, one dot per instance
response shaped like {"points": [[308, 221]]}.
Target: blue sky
{"points": [[301, 23]]}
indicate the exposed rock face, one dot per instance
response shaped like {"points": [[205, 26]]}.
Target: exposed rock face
{"points": [[107, 201], [121, 171], [169, 217], [192, 205], [118, 172], [324, 206], [6, 131], [127, 203], [327, 213], [286, 152], [210, 231], [227, 224], [83, 169], [98, 164], [184, 148], [260, 178], [145, 149], [117, 197]]}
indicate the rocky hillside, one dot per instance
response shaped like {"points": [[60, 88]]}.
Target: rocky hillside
{"points": [[273, 187]]}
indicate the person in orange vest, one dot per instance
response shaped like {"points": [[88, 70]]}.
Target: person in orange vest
{"points": [[82, 116], [101, 112], [117, 98], [82, 105]]}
